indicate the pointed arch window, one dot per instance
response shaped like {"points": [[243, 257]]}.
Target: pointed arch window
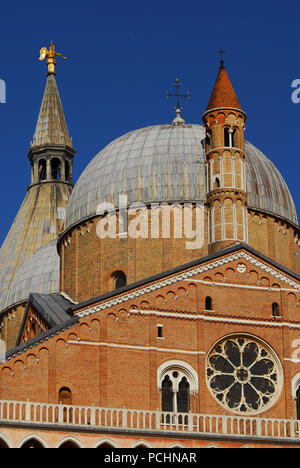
{"points": [[167, 394], [176, 381], [183, 396]]}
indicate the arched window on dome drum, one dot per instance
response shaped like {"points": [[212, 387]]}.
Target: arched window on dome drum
{"points": [[298, 403], [42, 170], [55, 169], [120, 280]]}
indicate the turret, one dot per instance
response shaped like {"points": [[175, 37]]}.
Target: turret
{"points": [[224, 121]]}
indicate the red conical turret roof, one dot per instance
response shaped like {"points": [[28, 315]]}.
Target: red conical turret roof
{"points": [[223, 94]]}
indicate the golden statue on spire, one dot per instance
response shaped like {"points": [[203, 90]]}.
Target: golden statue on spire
{"points": [[50, 55]]}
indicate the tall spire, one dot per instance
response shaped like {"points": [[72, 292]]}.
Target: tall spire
{"points": [[42, 214], [51, 127], [51, 152], [223, 94]]}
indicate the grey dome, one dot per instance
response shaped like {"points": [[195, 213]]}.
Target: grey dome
{"points": [[167, 163], [38, 274]]}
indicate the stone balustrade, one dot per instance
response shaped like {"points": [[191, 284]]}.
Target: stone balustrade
{"points": [[49, 415]]}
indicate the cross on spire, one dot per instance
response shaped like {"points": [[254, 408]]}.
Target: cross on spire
{"points": [[177, 85], [222, 52]]}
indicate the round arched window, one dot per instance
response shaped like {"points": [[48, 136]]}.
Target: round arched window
{"points": [[243, 374]]}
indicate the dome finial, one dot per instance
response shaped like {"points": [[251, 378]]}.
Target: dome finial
{"points": [[178, 119]]}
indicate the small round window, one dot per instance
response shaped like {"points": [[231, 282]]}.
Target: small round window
{"points": [[243, 375]]}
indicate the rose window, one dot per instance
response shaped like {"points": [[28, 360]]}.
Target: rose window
{"points": [[243, 375]]}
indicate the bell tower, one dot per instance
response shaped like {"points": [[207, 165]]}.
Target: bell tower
{"points": [[224, 121], [51, 153], [41, 217]]}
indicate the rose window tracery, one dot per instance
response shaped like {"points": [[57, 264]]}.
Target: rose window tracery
{"points": [[243, 374]]}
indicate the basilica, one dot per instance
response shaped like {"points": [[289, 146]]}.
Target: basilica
{"points": [[154, 302]]}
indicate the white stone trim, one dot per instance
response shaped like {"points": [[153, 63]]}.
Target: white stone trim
{"points": [[32, 437], [136, 347], [295, 385], [189, 275], [184, 369], [69, 438]]}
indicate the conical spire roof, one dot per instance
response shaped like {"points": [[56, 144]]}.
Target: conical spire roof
{"points": [[51, 127], [223, 94]]}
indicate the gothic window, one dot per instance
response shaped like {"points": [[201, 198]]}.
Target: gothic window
{"points": [[55, 169], [167, 394], [175, 392], [208, 303], [42, 170], [243, 375], [183, 396]]}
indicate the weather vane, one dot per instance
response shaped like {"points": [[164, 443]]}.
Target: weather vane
{"points": [[50, 55], [177, 85]]}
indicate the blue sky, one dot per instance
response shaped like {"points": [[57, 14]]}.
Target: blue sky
{"points": [[123, 56]]}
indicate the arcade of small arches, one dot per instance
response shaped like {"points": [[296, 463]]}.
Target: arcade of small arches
{"points": [[36, 442], [51, 169]]}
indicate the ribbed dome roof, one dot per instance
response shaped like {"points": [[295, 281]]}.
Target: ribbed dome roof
{"points": [[37, 274], [167, 163]]}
